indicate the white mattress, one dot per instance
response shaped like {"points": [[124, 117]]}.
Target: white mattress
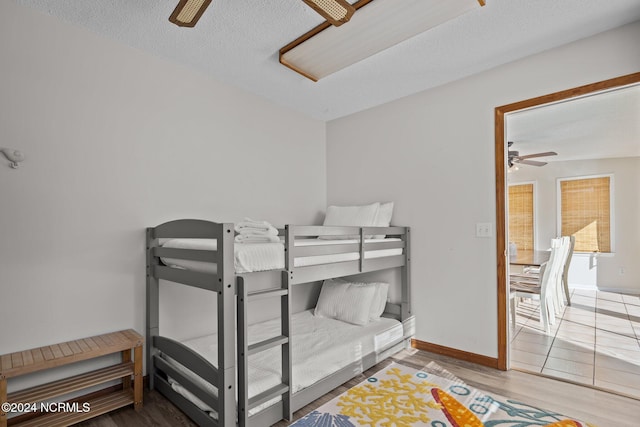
{"points": [[250, 257], [349, 256], [321, 347]]}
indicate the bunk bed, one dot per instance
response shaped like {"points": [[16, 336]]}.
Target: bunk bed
{"points": [[209, 377]]}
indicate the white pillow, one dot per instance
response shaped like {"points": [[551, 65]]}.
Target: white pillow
{"points": [[379, 300], [359, 216], [349, 302], [383, 218], [355, 216]]}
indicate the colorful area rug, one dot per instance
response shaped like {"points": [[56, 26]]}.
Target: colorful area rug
{"points": [[399, 396]]}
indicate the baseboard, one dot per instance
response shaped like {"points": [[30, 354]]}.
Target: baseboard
{"points": [[625, 291], [582, 287], [479, 359]]}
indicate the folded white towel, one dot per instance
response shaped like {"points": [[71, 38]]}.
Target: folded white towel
{"points": [[256, 227], [258, 232], [253, 238]]}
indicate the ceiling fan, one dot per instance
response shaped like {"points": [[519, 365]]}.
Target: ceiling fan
{"points": [[516, 158], [337, 12]]}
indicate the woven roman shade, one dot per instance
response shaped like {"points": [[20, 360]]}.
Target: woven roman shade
{"points": [[586, 213], [521, 216]]}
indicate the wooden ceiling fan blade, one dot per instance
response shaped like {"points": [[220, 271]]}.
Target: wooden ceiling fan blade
{"points": [[530, 162], [545, 154], [336, 12], [188, 12]]}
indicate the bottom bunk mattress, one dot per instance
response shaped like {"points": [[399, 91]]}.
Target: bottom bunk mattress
{"points": [[321, 346]]}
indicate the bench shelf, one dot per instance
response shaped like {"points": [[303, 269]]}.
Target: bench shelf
{"points": [[25, 362]]}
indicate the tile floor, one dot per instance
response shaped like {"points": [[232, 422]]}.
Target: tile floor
{"points": [[595, 341]]}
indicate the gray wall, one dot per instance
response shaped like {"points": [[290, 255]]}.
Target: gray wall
{"points": [[433, 154], [117, 140]]}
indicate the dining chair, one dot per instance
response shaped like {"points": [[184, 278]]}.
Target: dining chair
{"points": [[565, 271], [544, 287], [562, 244], [562, 286]]}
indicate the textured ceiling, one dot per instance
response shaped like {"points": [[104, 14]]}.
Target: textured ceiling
{"points": [[237, 42], [602, 125]]}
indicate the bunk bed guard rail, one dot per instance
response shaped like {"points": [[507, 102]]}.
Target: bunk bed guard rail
{"points": [[362, 244], [223, 283]]}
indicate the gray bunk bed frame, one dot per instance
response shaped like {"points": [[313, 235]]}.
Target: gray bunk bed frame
{"points": [[233, 290]]}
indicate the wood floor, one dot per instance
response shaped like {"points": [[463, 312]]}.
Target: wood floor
{"points": [[597, 407]]}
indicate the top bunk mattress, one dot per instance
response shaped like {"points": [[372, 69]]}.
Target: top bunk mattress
{"points": [[248, 257], [252, 257], [321, 346]]}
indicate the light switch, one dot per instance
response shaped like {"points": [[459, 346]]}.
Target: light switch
{"points": [[484, 229]]}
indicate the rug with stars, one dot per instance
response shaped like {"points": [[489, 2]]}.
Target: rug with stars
{"points": [[400, 396]]}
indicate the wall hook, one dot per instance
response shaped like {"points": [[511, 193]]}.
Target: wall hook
{"points": [[14, 156]]}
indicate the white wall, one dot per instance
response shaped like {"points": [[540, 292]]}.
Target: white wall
{"points": [[116, 141], [605, 273], [433, 154]]}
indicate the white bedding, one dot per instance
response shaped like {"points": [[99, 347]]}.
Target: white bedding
{"points": [[321, 346], [349, 256], [250, 257]]}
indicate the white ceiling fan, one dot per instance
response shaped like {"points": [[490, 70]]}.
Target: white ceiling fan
{"points": [[516, 158], [337, 12]]}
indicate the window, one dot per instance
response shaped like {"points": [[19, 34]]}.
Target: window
{"points": [[521, 216], [586, 212]]}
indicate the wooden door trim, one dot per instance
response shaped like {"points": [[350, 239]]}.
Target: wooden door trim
{"points": [[500, 148]]}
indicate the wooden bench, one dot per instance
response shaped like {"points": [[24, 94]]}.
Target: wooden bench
{"points": [[51, 356]]}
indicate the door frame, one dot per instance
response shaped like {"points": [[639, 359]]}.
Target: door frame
{"points": [[501, 185]]}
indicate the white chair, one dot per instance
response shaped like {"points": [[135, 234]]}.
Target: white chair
{"points": [[560, 257], [567, 244], [565, 271], [563, 254], [544, 287]]}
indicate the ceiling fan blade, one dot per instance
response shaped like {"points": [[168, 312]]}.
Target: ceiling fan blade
{"points": [[336, 12], [545, 154], [188, 12], [530, 162]]}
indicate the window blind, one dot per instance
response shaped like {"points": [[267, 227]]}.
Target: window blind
{"points": [[586, 213], [521, 216]]}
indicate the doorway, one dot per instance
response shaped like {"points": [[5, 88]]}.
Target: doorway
{"points": [[501, 185]]}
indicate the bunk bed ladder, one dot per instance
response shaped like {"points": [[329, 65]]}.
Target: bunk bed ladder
{"points": [[245, 350]]}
